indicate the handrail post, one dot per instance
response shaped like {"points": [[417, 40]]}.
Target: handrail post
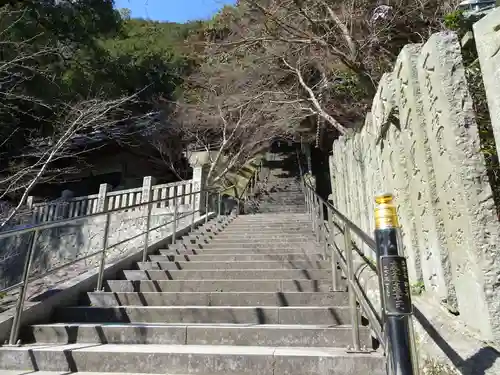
{"points": [[206, 206], [16, 323], [352, 296], [394, 288], [146, 237], [306, 195], [100, 276], [219, 203], [174, 229], [194, 210], [318, 217], [333, 251]]}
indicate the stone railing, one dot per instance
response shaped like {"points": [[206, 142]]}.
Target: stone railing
{"points": [[421, 142], [69, 207]]}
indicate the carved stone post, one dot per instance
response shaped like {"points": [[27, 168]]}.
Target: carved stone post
{"points": [[102, 199], [200, 162]]}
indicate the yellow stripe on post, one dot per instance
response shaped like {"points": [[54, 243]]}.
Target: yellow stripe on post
{"points": [[386, 215]]}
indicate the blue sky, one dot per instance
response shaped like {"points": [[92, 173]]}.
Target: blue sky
{"points": [[173, 10]]}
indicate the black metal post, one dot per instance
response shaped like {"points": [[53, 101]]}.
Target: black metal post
{"points": [[394, 287]]}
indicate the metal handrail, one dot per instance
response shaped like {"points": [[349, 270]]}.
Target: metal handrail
{"points": [[324, 231], [251, 181], [63, 222], [34, 231]]}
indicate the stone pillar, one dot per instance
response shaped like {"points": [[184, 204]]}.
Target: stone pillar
{"points": [[331, 165], [147, 189], [102, 199], [29, 202], [464, 197], [63, 206], [200, 162], [430, 236], [487, 37]]}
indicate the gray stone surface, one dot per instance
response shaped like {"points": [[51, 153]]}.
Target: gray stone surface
{"points": [[465, 200], [431, 240], [179, 334], [487, 38], [297, 285], [245, 257], [192, 359], [311, 274], [423, 146], [240, 265], [104, 299]]}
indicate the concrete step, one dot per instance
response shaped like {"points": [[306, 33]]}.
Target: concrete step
{"points": [[231, 241], [277, 226], [242, 238], [313, 257], [181, 250], [238, 236], [240, 265], [109, 299], [191, 359], [309, 246], [279, 221], [277, 218], [196, 334], [304, 230], [279, 208], [311, 274], [205, 314], [283, 198], [285, 285]]}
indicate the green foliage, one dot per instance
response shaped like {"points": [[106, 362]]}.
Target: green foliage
{"points": [[455, 20], [417, 288], [74, 51], [147, 56]]}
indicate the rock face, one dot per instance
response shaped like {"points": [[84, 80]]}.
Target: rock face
{"points": [[421, 143]]}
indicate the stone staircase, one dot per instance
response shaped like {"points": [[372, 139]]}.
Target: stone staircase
{"points": [[247, 295], [280, 190]]}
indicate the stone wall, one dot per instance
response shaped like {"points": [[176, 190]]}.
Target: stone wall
{"points": [[81, 231], [421, 143], [83, 237]]}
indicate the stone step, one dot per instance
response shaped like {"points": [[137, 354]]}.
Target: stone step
{"points": [[282, 198], [181, 250], [289, 219], [205, 314], [240, 265], [279, 220], [236, 236], [109, 299], [242, 238], [191, 359], [270, 208], [311, 274], [313, 257], [310, 246], [284, 285], [231, 241], [284, 205], [303, 230], [196, 334]]}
